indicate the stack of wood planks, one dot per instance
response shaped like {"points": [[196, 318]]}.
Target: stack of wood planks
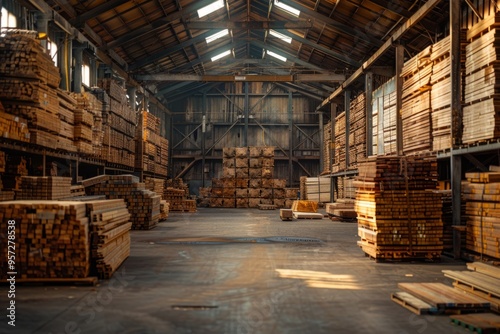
{"points": [[67, 105], [357, 134], [44, 188], [248, 179], [52, 239], [119, 129], [88, 104], [155, 184], [109, 235], [481, 193], [398, 217], [164, 209], [327, 148], [384, 118], [14, 127], [339, 158], [176, 194], [342, 209], [316, 188], [291, 194], [28, 87], [143, 204], [481, 117], [416, 108], [153, 146], [345, 188]]}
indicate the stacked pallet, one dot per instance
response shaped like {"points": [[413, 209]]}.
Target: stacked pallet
{"points": [[119, 133], [391, 194], [481, 192], [481, 119], [154, 147], [416, 108], [357, 134], [52, 239], [28, 85], [67, 105], [143, 204], [88, 104], [327, 144], [248, 179], [339, 158], [109, 235], [44, 188]]}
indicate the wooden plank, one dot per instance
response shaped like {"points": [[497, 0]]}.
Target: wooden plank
{"points": [[413, 304], [482, 323], [307, 215]]}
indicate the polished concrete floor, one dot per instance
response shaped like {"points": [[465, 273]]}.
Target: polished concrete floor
{"points": [[237, 271]]}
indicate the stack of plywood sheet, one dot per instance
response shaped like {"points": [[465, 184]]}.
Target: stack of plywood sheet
{"points": [[154, 146], [44, 188], [357, 134], [481, 192], [52, 239], [119, 128], [143, 204], [339, 157], [110, 234], [481, 117], [416, 109], [28, 85], [398, 217], [327, 144]]}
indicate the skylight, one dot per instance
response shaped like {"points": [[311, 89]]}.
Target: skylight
{"points": [[275, 55], [287, 8], [220, 55], [279, 35], [218, 35], [210, 8]]}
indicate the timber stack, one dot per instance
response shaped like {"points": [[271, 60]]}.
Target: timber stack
{"points": [[327, 148], [143, 204], [44, 188], [357, 132], [481, 117], [398, 216], [481, 192], [154, 147], [339, 157], [88, 103], [52, 239], [67, 107], [176, 194]]}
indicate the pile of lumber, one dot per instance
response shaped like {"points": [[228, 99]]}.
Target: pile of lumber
{"points": [[481, 193], [416, 108], [305, 209], [391, 192], [327, 148], [142, 204], [152, 148], [28, 87], [315, 188], [341, 209], [481, 117], [109, 235], [248, 179], [119, 124], [176, 193], [52, 239], [88, 103], [44, 188], [345, 188], [164, 209], [357, 132], [384, 118], [339, 158], [14, 127], [155, 184], [67, 105]]}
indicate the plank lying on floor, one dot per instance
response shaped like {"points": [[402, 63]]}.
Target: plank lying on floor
{"points": [[480, 322], [484, 268], [307, 215], [444, 296], [412, 303]]}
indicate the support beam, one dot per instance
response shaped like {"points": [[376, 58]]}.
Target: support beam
{"points": [[399, 98], [290, 138], [250, 25], [235, 78], [347, 107], [97, 10], [246, 112], [321, 142], [456, 118], [411, 22], [369, 113]]}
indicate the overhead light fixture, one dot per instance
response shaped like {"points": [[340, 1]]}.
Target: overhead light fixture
{"points": [[210, 8], [275, 55], [218, 35], [279, 35], [221, 55], [287, 8]]}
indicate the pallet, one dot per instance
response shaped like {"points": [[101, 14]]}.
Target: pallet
{"points": [[413, 304], [286, 214], [482, 323]]}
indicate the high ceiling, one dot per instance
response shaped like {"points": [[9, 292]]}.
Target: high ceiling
{"points": [[163, 42]]}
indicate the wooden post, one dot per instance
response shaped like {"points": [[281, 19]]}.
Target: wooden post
{"points": [[246, 111], [290, 139]]}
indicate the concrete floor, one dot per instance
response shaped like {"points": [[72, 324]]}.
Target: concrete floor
{"points": [[214, 271]]}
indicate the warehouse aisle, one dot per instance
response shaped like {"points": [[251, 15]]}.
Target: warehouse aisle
{"points": [[239, 271]]}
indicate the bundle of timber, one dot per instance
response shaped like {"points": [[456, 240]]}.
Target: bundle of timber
{"points": [[339, 158], [248, 179], [14, 127], [152, 148], [44, 188], [52, 239], [315, 188], [89, 114], [67, 105], [119, 132], [156, 185], [327, 148], [176, 194], [345, 188], [357, 132], [164, 210], [481, 192], [109, 235], [398, 217], [342, 209], [481, 117], [143, 204]]}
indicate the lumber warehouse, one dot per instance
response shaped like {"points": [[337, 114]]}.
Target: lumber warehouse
{"points": [[227, 166]]}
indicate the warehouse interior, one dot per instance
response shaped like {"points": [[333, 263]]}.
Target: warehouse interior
{"points": [[235, 166]]}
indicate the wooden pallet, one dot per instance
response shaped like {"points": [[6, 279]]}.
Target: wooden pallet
{"points": [[413, 304], [481, 323]]}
